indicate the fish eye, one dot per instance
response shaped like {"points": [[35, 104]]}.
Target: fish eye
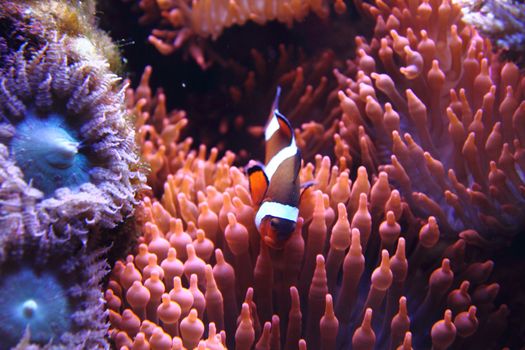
{"points": [[274, 223]]}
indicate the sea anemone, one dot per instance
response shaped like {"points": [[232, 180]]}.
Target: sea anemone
{"points": [[156, 130], [202, 272], [225, 101], [50, 296], [433, 107], [415, 201], [185, 23], [65, 129], [352, 273], [217, 119]]}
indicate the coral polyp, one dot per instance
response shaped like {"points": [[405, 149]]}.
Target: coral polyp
{"points": [[48, 152], [50, 295], [64, 122], [36, 301]]}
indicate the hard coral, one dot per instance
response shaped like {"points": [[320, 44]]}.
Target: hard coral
{"points": [[65, 126]]}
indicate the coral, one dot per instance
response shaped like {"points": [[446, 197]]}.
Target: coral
{"points": [[64, 124], [500, 20], [34, 22], [58, 145], [50, 296]]}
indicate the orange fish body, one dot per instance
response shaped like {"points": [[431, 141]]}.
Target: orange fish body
{"points": [[275, 188]]}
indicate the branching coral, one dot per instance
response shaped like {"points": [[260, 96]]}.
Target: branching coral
{"points": [[66, 129], [50, 296]]}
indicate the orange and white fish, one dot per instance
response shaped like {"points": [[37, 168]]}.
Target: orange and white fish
{"points": [[275, 187]]}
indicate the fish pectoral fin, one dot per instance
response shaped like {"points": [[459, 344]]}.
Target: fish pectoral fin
{"points": [[258, 183], [307, 186]]}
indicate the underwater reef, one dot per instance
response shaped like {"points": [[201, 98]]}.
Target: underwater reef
{"points": [[70, 158], [69, 169], [129, 213]]}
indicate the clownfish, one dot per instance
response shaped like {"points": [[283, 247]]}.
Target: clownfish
{"points": [[275, 187]]}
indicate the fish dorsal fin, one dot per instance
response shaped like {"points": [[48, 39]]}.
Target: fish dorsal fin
{"points": [[284, 126], [258, 183], [282, 136]]}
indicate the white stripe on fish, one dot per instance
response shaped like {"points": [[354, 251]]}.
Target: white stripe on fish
{"points": [[277, 210]]}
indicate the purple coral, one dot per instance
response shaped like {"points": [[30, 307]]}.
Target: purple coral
{"points": [[40, 303], [50, 295], [49, 152], [64, 125]]}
